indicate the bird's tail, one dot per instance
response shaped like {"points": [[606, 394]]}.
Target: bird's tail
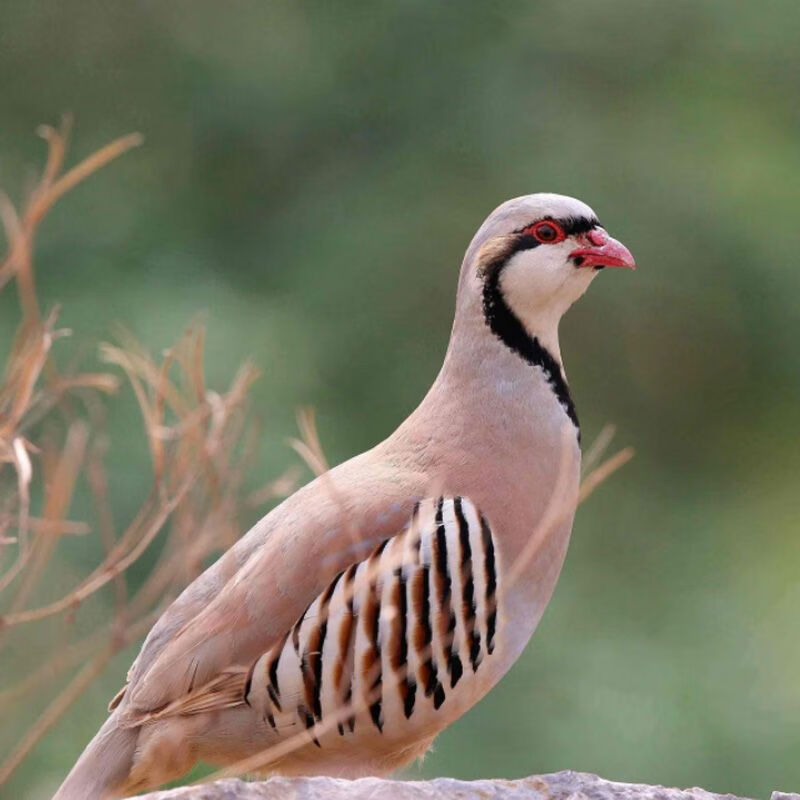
{"points": [[103, 770]]}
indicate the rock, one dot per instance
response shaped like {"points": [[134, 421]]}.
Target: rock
{"points": [[566, 785]]}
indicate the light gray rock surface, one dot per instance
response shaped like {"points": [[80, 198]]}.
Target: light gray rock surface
{"points": [[557, 786]]}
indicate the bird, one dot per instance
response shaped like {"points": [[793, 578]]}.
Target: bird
{"points": [[379, 602]]}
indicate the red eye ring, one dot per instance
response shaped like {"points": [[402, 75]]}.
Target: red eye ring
{"points": [[546, 231]]}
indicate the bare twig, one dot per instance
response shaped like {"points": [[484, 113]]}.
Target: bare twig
{"points": [[201, 444], [604, 472], [308, 446]]}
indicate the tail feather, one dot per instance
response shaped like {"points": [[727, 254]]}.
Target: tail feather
{"points": [[103, 770]]}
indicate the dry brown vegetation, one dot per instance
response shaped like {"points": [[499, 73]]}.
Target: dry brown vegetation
{"points": [[53, 442]]}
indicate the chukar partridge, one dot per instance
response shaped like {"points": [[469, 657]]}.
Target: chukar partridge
{"points": [[378, 603]]}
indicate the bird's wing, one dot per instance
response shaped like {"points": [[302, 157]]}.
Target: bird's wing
{"points": [[317, 532], [195, 598], [394, 630]]}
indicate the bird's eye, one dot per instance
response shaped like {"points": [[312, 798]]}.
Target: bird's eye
{"points": [[546, 232]]}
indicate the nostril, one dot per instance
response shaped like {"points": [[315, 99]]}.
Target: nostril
{"points": [[597, 237]]}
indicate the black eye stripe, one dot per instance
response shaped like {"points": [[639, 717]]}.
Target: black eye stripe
{"points": [[570, 225]]}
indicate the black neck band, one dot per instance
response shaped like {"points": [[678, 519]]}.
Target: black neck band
{"points": [[509, 329]]}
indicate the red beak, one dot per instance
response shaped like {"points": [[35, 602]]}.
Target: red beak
{"points": [[605, 252]]}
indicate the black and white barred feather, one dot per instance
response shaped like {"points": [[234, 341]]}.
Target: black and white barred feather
{"points": [[393, 637]]}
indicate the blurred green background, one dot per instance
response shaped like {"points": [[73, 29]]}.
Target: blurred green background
{"points": [[311, 176]]}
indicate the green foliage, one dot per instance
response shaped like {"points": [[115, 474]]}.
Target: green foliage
{"points": [[311, 175]]}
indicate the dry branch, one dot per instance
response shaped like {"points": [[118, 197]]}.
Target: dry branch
{"points": [[53, 444]]}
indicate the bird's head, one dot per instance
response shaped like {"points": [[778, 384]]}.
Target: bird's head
{"points": [[532, 258]]}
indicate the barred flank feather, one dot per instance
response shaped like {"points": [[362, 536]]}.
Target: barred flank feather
{"points": [[405, 617]]}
